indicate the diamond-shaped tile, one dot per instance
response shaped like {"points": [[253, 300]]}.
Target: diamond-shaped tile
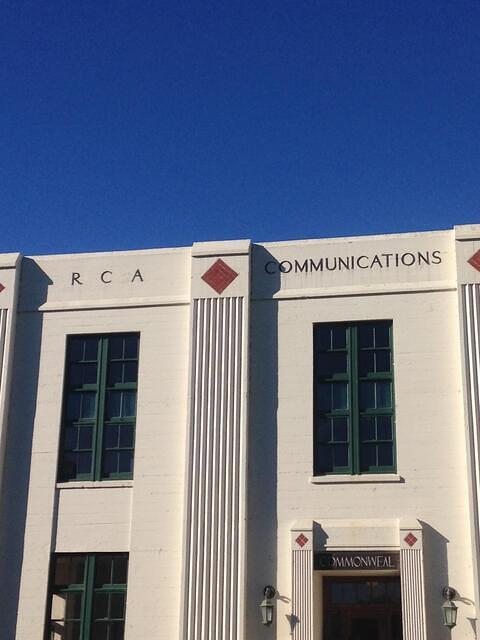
{"points": [[410, 539], [475, 261], [219, 276], [301, 540], [1, 287]]}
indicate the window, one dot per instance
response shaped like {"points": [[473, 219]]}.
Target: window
{"points": [[99, 409], [353, 403], [87, 597]]}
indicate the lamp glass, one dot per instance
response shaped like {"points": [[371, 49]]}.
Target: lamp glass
{"points": [[266, 608], [449, 610]]}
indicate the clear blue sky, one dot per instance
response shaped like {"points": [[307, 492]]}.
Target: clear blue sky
{"points": [[131, 124]]}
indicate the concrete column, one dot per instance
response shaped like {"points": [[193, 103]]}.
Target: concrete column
{"points": [[412, 581], [302, 583], [214, 543]]}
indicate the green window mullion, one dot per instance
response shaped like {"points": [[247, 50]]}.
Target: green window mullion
{"points": [[103, 361], [354, 421], [85, 623]]}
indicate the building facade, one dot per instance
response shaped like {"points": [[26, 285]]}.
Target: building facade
{"points": [[180, 428]]}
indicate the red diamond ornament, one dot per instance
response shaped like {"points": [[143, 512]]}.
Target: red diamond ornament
{"points": [[301, 540], [1, 287], [219, 276], [475, 261], [410, 539]]}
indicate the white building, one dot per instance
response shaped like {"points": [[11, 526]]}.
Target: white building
{"points": [[304, 414]]}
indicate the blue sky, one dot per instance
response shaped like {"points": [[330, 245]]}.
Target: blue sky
{"points": [[149, 124]]}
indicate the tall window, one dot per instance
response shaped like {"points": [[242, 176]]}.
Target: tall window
{"points": [[99, 409], [87, 597], [353, 403]]}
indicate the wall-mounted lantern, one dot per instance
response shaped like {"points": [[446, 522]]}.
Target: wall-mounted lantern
{"points": [[449, 608], [266, 606]]}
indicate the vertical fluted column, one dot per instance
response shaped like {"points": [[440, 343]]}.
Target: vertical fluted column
{"points": [[412, 581], [302, 583], [214, 536]]}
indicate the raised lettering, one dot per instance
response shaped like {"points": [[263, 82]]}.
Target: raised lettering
{"points": [[136, 275], [284, 269], [436, 257], [76, 278], [266, 267], [361, 265], [408, 264], [376, 260], [301, 266], [316, 266], [103, 276]]}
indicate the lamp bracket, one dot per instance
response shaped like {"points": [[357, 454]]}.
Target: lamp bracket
{"points": [[269, 592], [449, 593]]}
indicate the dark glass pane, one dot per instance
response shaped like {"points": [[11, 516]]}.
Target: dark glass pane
{"points": [[332, 363], [89, 373], [85, 439], [385, 455], [382, 335], [120, 566], [336, 593], [68, 570], [110, 462], [131, 347], [393, 591], [117, 605], [384, 394], [84, 462], [103, 570], [130, 370], [340, 395], [324, 429], [367, 395], [349, 595], [384, 428], [363, 592], [366, 362], [75, 352], [74, 403], [378, 592], [115, 373], [110, 436], [91, 349], [125, 460], [368, 456], [340, 432], [115, 348], [114, 399], [340, 455], [323, 337], [126, 435], [325, 396], [367, 428], [324, 458], [116, 630], [74, 606], [100, 631], [100, 605], [365, 336], [70, 438], [88, 404], [129, 403], [75, 376], [339, 337], [72, 631], [69, 465], [382, 361]]}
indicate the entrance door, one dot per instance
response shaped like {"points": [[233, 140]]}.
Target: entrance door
{"points": [[362, 608]]}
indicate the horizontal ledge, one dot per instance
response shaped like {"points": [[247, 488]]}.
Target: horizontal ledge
{"points": [[360, 479], [95, 484], [116, 303]]}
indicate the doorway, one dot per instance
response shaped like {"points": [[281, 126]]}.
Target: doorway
{"points": [[363, 608]]}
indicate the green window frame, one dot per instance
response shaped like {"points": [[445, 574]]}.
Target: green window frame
{"points": [[99, 407], [354, 415], [87, 597]]}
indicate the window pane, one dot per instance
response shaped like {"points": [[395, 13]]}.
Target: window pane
{"points": [[325, 396], [117, 605], [116, 630], [91, 349], [131, 347], [110, 462], [103, 570], [325, 458], [88, 404], [100, 605], [382, 335], [69, 570], [367, 428], [382, 361], [340, 395], [366, 363], [75, 352], [74, 605], [110, 436], [115, 375], [85, 439], [71, 438], [340, 455], [368, 456], [125, 459], [339, 337], [114, 399], [385, 454], [120, 567], [384, 428], [130, 371], [126, 435], [340, 430], [365, 336], [129, 403], [115, 348], [324, 338], [100, 631], [324, 430], [74, 403], [384, 394], [367, 395], [72, 631], [84, 462]]}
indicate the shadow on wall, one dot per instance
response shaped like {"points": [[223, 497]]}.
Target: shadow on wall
{"points": [[435, 560], [16, 473], [261, 561]]}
